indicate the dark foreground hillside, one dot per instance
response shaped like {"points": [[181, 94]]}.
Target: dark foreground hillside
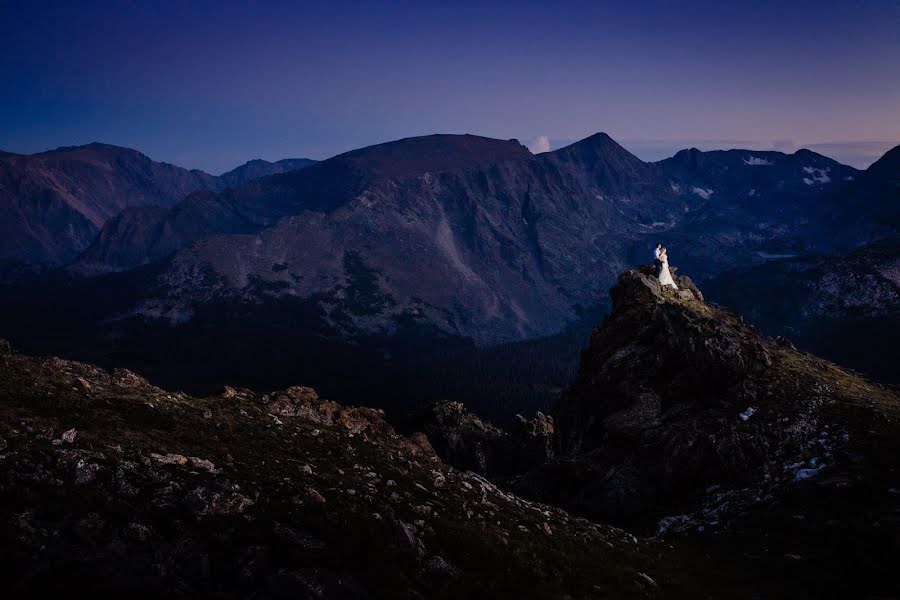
{"points": [[111, 486], [737, 466]]}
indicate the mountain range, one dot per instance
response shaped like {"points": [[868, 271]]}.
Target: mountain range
{"points": [[53, 204], [475, 236], [442, 237]]}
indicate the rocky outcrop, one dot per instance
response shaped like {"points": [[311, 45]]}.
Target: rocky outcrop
{"points": [[681, 408], [770, 472], [465, 441]]}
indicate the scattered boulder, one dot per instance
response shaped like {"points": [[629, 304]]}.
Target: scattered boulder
{"points": [[224, 499], [408, 540], [305, 403], [302, 402], [357, 419], [169, 459], [85, 472]]}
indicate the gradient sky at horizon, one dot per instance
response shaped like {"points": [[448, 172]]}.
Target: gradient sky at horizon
{"points": [[210, 85]]}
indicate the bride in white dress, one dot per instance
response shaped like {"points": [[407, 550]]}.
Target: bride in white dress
{"points": [[665, 277]]}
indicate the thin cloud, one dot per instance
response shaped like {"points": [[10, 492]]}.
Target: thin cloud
{"points": [[539, 144]]}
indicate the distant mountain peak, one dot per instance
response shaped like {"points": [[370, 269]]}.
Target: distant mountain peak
{"points": [[257, 167], [598, 141], [413, 156]]}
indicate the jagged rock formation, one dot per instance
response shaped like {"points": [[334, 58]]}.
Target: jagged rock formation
{"points": [[685, 419], [109, 485], [465, 441], [681, 408]]}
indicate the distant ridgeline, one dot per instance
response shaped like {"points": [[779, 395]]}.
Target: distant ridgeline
{"points": [[455, 266]]}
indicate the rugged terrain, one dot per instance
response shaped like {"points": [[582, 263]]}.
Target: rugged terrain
{"points": [[685, 420], [110, 485], [760, 471]]}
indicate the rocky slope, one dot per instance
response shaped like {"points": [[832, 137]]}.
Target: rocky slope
{"points": [[112, 486]]}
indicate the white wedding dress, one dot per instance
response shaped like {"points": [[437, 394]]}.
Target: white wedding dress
{"points": [[665, 277]]}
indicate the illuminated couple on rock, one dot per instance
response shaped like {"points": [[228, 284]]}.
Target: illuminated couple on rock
{"points": [[661, 266]]}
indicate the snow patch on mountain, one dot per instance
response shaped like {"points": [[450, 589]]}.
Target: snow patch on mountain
{"points": [[816, 175], [757, 161], [705, 194]]}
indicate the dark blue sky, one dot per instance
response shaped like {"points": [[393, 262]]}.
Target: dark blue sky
{"points": [[211, 84]]}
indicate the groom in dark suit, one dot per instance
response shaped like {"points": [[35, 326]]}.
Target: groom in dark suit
{"points": [[657, 264]]}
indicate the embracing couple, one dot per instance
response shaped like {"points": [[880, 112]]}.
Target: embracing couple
{"points": [[661, 266]]}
